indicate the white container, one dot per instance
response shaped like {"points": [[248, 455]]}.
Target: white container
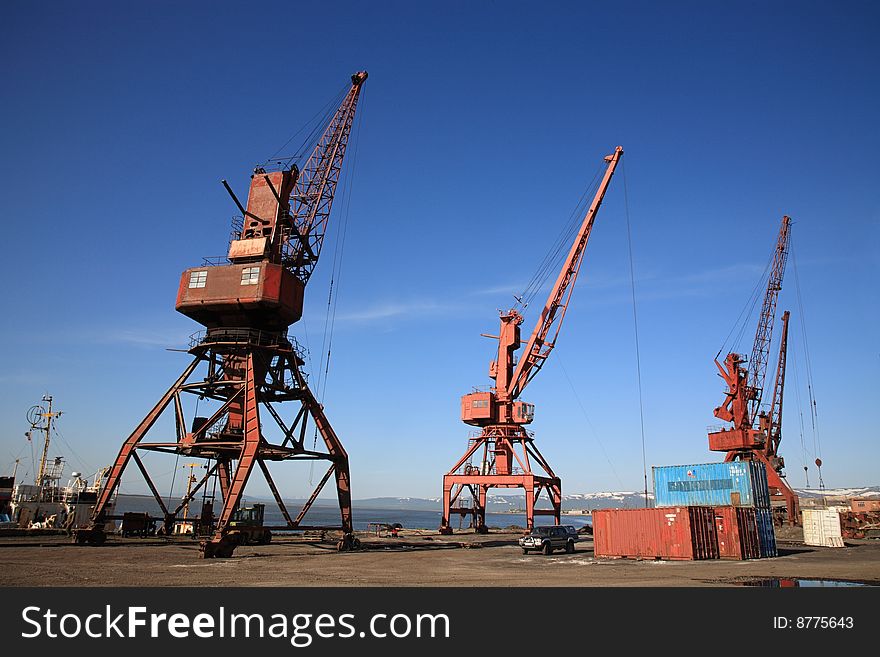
{"points": [[822, 527]]}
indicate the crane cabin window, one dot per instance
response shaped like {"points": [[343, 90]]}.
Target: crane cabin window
{"points": [[198, 278], [250, 275], [480, 403]]}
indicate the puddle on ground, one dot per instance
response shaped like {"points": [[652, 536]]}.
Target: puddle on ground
{"points": [[784, 582]]}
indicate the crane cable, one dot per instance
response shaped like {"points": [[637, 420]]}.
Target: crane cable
{"points": [[317, 126], [590, 424], [748, 310], [336, 276], [85, 467], [814, 418], [318, 122], [632, 279], [553, 258], [797, 392], [343, 231]]}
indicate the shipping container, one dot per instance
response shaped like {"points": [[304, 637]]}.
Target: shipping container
{"points": [[822, 527], [737, 530], [738, 483], [686, 533], [766, 533]]}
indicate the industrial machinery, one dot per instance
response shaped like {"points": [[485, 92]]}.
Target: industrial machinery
{"points": [[246, 302], [246, 526], [505, 449], [756, 432]]}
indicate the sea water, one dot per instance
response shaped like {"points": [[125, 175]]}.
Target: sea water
{"points": [[325, 515]]}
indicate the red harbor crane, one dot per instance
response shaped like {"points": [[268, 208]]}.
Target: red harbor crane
{"points": [[756, 433], [504, 449], [251, 366]]}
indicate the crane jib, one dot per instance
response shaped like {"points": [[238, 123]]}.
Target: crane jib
{"points": [[555, 309]]}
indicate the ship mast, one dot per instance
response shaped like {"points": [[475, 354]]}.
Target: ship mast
{"points": [[37, 416]]}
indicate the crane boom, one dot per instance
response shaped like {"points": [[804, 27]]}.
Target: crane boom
{"points": [[506, 451], [761, 347], [538, 347], [315, 188], [755, 435], [247, 303], [774, 432]]}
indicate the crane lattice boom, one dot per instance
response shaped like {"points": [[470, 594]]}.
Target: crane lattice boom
{"points": [[761, 346], [315, 188], [507, 454], [538, 347]]}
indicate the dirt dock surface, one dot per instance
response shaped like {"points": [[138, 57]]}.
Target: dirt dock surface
{"points": [[414, 558]]}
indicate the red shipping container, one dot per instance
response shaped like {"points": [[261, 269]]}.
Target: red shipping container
{"points": [[685, 533], [737, 530]]}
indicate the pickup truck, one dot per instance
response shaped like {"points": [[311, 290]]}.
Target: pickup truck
{"points": [[548, 539]]}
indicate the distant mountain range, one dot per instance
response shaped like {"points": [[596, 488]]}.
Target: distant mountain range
{"points": [[513, 502], [585, 501]]}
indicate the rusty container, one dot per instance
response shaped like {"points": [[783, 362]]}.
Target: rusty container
{"points": [[737, 530], [677, 533]]}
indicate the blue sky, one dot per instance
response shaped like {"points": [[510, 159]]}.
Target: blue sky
{"points": [[481, 124]]}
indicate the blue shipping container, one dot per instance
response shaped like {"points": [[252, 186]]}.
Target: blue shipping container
{"points": [[766, 533], [738, 483]]}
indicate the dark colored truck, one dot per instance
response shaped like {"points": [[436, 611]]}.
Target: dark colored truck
{"points": [[548, 539]]}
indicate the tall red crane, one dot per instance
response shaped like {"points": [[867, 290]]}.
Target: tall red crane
{"points": [[504, 447], [246, 304], [755, 434]]}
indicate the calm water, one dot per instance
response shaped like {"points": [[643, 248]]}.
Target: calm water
{"points": [[325, 515]]}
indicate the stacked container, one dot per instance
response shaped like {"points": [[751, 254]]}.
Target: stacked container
{"points": [[677, 533], [736, 484], [702, 511], [737, 530]]}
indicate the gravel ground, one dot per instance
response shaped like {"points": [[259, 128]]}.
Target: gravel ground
{"points": [[415, 558]]}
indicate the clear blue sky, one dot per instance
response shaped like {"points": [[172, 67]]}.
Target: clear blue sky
{"points": [[481, 123]]}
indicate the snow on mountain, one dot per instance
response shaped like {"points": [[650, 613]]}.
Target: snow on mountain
{"points": [[863, 491], [587, 501]]}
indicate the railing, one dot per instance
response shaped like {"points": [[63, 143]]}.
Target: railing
{"points": [[214, 261], [245, 336]]}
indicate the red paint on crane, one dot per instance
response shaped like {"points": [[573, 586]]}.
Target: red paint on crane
{"points": [[247, 303], [504, 450], [755, 434]]}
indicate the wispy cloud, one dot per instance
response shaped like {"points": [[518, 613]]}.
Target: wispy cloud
{"points": [[141, 337], [649, 286], [397, 309], [497, 290]]}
